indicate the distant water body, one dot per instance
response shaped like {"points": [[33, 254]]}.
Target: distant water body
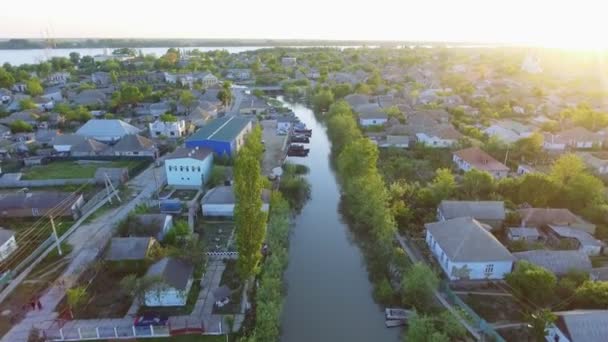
{"points": [[32, 56]]}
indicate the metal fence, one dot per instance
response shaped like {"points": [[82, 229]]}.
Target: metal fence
{"points": [[106, 332], [7, 182], [469, 314]]}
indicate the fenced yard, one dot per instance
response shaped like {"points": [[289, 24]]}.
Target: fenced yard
{"points": [[217, 235], [73, 169]]}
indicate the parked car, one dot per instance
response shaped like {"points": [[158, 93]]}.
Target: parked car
{"points": [[150, 318]]}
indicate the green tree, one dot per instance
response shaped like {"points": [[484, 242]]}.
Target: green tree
{"points": [[75, 297], [62, 108], [592, 295], [225, 96], [34, 88], [539, 322], [451, 326], [6, 79], [20, 126], [74, 57], [566, 168], [322, 100], [529, 190], [26, 104], [478, 184], [422, 328], [418, 284], [187, 99], [341, 90], [136, 287], [532, 282], [167, 117], [443, 185], [114, 77], [129, 94], [530, 147], [248, 215]]}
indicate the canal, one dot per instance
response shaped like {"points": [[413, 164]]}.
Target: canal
{"points": [[329, 295]]}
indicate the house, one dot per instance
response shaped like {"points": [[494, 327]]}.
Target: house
{"points": [[579, 326], [89, 148], [19, 87], [577, 239], [28, 116], [466, 250], [8, 244], [44, 137], [108, 131], [41, 203], [439, 136], [130, 248], [89, 97], [238, 74], [253, 105], [167, 129], [395, 141], [577, 138], [61, 77], [206, 78], [52, 94], [541, 217], [371, 115], [491, 213], [101, 78], [508, 131], [356, 100], [475, 158], [597, 162], [223, 135], [176, 280], [134, 145], [558, 262], [154, 225], [220, 201], [159, 108], [288, 61], [5, 132], [189, 167], [65, 142], [529, 234]]}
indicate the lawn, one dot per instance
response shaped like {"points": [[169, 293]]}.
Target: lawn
{"points": [[231, 279], [71, 169]]}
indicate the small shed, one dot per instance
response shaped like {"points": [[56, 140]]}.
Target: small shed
{"points": [[130, 248], [523, 233]]}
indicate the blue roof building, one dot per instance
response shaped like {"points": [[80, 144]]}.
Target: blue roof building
{"points": [[224, 136]]}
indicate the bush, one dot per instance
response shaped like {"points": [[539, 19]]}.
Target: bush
{"points": [[179, 231]]}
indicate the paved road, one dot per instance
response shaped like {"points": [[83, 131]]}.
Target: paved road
{"points": [[237, 97], [87, 241]]}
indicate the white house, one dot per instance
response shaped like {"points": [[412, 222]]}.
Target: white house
{"points": [[207, 78], [220, 201], [579, 239], [176, 281], [474, 158], [65, 142], [7, 243], [577, 138], [371, 114], [58, 77], [189, 168], [523, 233], [465, 250], [579, 326], [168, 129], [395, 141], [440, 136], [597, 162]]}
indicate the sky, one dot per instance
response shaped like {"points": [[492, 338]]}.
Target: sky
{"points": [[555, 23]]}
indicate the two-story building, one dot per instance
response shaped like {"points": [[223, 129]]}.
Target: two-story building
{"points": [[189, 167], [169, 129]]}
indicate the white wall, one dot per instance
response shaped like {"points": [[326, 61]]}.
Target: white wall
{"points": [[178, 176], [434, 141], [372, 122], [226, 210], [552, 332]]}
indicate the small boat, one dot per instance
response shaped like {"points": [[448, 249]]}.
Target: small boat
{"points": [[296, 150], [397, 313], [300, 139], [306, 132], [394, 323]]}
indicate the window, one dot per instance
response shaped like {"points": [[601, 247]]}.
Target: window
{"points": [[172, 133], [181, 168], [489, 269], [187, 168]]}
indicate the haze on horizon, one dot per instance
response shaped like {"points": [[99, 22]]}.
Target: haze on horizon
{"points": [[560, 23]]}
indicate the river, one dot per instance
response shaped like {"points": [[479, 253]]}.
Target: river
{"points": [[329, 295]]}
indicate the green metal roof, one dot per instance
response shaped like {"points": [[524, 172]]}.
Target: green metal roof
{"points": [[226, 128]]}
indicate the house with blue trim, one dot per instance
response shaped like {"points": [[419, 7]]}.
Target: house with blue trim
{"points": [[224, 136]]}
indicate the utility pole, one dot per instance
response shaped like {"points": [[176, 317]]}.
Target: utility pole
{"points": [[56, 236]]}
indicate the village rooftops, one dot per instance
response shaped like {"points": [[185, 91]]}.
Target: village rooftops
{"points": [[129, 248], [558, 262], [481, 210], [106, 128], [538, 217], [226, 128], [173, 272], [480, 160], [583, 325], [464, 239], [5, 235], [581, 236], [194, 153], [225, 195], [134, 142]]}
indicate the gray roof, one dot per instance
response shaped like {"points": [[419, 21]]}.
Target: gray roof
{"points": [[464, 239], [39, 199], [5, 234], [371, 110], [90, 97], [103, 128], [583, 325], [583, 237], [225, 195], [524, 231], [558, 262], [134, 142], [173, 271], [195, 153], [89, 146], [355, 100], [480, 210], [129, 248]]}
